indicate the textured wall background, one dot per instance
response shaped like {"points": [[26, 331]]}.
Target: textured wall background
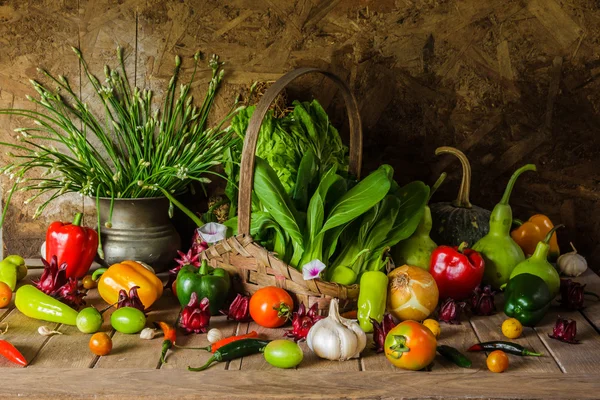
{"points": [[506, 81]]}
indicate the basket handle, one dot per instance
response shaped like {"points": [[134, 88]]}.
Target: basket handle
{"points": [[249, 150]]}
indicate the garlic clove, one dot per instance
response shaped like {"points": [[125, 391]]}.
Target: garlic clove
{"points": [[214, 335], [149, 333], [45, 331]]}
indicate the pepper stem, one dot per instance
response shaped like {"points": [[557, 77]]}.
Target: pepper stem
{"points": [[283, 311], [207, 348], [205, 366], [551, 232], [517, 222], [77, 219], [462, 200], [513, 180], [462, 247], [526, 352], [97, 273], [204, 268], [436, 185]]}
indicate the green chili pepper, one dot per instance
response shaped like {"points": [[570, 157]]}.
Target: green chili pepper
{"points": [[452, 354], [237, 349], [507, 347], [500, 252], [371, 299], [34, 303]]}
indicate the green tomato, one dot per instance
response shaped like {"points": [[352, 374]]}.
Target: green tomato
{"points": [[89, 320], [20, 263], [283, 353], [128, 320]]}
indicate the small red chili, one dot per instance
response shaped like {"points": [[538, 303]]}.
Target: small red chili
{"points": [[11, 353]]}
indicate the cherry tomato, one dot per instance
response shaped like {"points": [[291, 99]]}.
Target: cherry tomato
{"points": [[283, 353], [497, 361], [128, 320], [100, 344], [5, 295], [174, 288], [410, 345], [88, 283], [271, 306], [89, 320]]}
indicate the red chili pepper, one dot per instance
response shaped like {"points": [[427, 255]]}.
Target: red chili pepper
{"points": [[169, 339], [456, 270], [11, 353], [217, 345], [73, 244]]}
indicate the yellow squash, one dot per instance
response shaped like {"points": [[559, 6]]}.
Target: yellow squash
{"points": [[124, 276]]}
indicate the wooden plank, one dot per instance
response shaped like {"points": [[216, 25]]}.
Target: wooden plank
{"points": [[489, 328], [572, 358], [70, 350], [213, 384], [592, 306], [460, 337], [256, 361], [129, 351], [181, 358]]}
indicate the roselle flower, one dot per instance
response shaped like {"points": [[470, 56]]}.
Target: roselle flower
{"points": [[239, 310], [380, 331], [189, 258], [450, 311], [195, 316], [565, 331], [482, 301], [70, 294], [130, 300], [302, 321], [53, 277], [571, 294]]}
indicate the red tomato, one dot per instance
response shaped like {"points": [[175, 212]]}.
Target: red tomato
{"points": [[100, 344], [271, 306], [410, 345]]}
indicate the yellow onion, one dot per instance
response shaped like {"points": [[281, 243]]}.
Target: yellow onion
{"points": [[412, 293]]}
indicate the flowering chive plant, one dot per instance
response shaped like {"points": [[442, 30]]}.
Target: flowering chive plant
{"points": [[141, 151]]}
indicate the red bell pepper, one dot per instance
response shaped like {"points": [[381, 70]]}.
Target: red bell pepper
{"points": [[456, 270], [73, 244]]}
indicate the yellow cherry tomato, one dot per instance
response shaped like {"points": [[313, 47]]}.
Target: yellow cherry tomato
{"points": [[497, 361], [433, 326], [512, 328]]}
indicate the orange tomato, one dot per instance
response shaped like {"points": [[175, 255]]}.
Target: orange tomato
{"points": [[497, 361], [410, 345], [5, 295], [271, 306], [88, 282], [100, 344]]}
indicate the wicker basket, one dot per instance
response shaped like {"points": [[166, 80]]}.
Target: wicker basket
{"points": [[254, 267]]}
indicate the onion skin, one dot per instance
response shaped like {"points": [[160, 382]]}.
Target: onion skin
{"points": [[412, 293]]}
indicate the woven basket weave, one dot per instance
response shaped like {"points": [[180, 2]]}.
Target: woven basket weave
{"points": [[254, 267]]}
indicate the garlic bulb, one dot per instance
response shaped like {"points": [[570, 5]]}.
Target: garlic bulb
{"points": [[149, 333], [214, 335], [336, 338], [572, 264]]}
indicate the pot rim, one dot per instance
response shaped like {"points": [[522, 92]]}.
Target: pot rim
{"points": [[128, 198]]}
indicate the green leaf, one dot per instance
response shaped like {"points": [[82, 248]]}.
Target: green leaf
{"points": [[360, 198], [307, 171], [273, 197], [413, 198]]}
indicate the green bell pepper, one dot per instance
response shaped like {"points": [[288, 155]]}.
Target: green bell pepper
{"points": [[371, 299], [213, 283], [527, 298], [34, 303]]}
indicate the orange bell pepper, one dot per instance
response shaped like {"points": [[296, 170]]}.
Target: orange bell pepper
{"points": [[531, 232], [126, 275]]}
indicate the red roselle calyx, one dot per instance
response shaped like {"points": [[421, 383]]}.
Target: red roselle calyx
{"points": [[482, 301], [70, 294], [302, 321], [450, 311], [565, 331], [380, 331], [130, 300], [53, 277], [571, 294], [195, 317], [198, 245], [239, 310], [189, 258]]}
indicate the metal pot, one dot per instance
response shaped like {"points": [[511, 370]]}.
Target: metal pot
{"points": [[141, 231]]}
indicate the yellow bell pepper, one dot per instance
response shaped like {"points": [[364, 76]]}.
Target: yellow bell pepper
{"points": [[124, 276], [531, 232]]}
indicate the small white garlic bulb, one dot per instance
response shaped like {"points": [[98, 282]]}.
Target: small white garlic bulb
{"points": [[572, 264], [336, 338], [214, 335]]}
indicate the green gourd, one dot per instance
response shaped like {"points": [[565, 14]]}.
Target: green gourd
{"points": [[538, 265], [459, 221], [417, 249], [500, 252]]}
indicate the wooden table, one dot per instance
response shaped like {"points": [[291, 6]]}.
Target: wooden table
{"points": [[62, 367]]}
